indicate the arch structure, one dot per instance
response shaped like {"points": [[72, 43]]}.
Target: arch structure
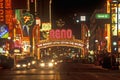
{"points": [[70, 42]]}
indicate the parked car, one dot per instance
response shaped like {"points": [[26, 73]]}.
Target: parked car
{"points": [[6, 62], [23, 64]]}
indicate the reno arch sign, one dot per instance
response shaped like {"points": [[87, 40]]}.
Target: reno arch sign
{"points": [[60, 34]]}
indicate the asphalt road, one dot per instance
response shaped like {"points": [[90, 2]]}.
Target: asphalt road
{"points": [[65, 71]]}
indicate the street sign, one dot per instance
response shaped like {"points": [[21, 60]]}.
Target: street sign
{"points": [[102, 16]]}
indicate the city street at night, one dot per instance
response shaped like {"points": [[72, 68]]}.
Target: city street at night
{"points": [[65, 71], [59, 39]]}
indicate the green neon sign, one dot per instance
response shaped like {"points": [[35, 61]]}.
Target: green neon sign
{"points": [[27, 19], [102, 16]]}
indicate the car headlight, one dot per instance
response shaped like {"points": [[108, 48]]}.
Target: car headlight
{"points": [[33, 62], [18, 65], [50, 64], [41, 60], [52, 60], [55, 63], [29, 64], [42, 64], [24, 65]]}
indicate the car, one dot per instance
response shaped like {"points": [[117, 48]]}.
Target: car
{"points": [[47, 63], [6, 62], [32, 61], [22, 64]]}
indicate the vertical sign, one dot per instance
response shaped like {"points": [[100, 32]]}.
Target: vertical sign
{"points": [[8, 15], [2, 11]]}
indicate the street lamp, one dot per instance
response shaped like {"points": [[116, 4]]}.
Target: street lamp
{"points": [[50, 2]]}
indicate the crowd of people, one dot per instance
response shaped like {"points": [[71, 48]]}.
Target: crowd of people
{"points": [[108, 60]]}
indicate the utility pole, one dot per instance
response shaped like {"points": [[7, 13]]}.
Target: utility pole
{"points": [[35, 8], [50, 10], [28, 5]]}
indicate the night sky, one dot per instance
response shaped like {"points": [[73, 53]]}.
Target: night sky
{"points": [[64, 7]]}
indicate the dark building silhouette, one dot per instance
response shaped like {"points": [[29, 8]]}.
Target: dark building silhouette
{"points": [[43, 10], [19, 4]]}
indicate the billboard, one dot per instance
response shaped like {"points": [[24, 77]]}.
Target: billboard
{"points": [[44, 31], [3, 31]]}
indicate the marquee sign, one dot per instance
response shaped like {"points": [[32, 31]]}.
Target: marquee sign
{"points": [[61, 43]]}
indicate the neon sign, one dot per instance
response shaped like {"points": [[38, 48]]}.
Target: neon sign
{"points": [[61, 43], [46, 26], [60, 34], [27, 19], [1, 11], [6, 13], [3, 31]]}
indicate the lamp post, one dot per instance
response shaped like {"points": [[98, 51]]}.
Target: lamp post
{"points": [[50, 2], [28, 5]]}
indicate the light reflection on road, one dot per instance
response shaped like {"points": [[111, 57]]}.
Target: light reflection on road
{"points": [[35, 74], [36, 71], [19, 71]]}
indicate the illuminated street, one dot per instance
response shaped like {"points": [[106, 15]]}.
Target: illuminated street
{"points": [[65, 71], [59, 39]]}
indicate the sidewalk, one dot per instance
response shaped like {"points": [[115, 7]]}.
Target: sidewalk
{"points": [[100, 67]]}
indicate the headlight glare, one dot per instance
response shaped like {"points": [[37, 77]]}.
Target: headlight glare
{"points": [[42, 64], [50, 64], [18, 65], [52, 60], [29, 64], [55, 63], [33, 62], [24, 65]]}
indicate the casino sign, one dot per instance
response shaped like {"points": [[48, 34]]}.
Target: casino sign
{"points": [[60, 34], [60, 37], [72, 43]]}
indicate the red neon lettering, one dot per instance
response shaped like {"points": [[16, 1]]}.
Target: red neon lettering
{"points": [[57, 34], [8, 16], [1, 18], [69, 34], [1, 12], [1, 5], [7, 4], [1, 0], [52, 34], [63, 34]]}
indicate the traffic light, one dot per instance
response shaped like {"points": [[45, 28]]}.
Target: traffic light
{"points": [[114, 44]]}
